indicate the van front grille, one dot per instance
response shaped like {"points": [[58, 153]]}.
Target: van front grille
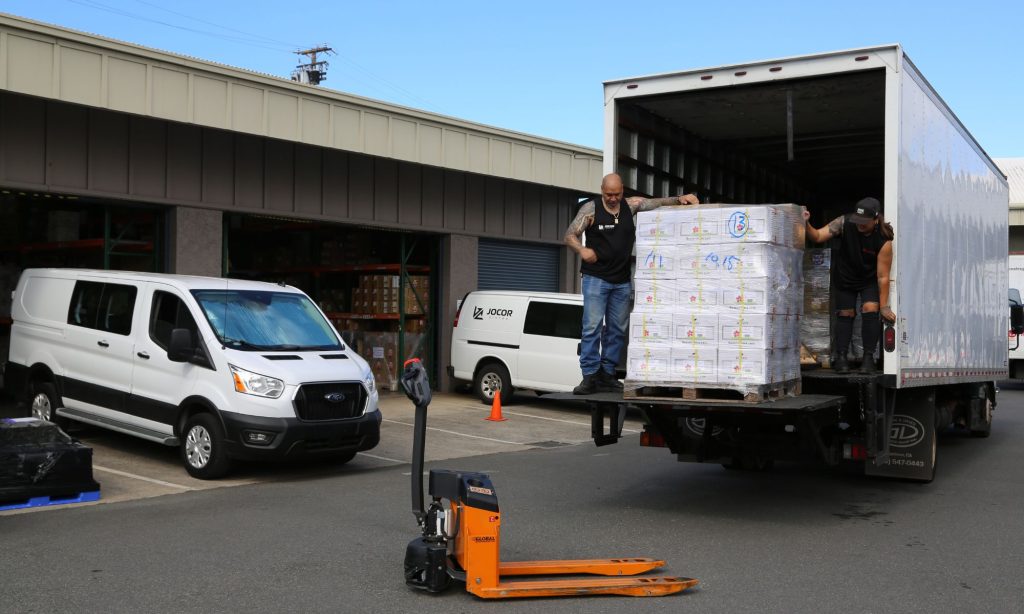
{"points": [[330, 401]]}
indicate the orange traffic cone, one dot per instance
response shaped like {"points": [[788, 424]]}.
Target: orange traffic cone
{"points": [[496, 408]]}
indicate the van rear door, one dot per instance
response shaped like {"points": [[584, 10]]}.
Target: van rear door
{"points": [[549, 351]]}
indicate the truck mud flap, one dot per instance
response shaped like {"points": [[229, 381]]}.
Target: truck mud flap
{"points": [[878, 406], [615, 414], [912, 438]]}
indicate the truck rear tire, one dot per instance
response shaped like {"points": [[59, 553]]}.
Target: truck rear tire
{"points": [[492, 377]]}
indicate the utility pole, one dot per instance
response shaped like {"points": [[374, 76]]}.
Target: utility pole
{"points": [[314, 71]]}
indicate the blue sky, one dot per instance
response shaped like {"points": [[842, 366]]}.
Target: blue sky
{"points": [[537, 67]]}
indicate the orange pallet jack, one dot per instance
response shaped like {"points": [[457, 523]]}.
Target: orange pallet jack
{"points": [[461, 536]]}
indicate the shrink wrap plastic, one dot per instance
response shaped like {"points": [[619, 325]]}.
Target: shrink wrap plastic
{"points": [[719, 295]]}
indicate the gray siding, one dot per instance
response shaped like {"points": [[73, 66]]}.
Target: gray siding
{"points": [[60, 147]]}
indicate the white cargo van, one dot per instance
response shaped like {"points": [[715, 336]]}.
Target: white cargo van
{"points": [[223, 369], [508, 340]]}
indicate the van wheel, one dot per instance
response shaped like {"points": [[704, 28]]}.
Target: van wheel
{"points": [[202, 448], [492, 377], [44, 404]]}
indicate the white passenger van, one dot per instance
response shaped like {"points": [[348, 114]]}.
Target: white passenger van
{"points": [[224, 369], [509, 340]]}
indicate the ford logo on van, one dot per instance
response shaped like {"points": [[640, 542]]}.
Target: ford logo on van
{"points": [[906, 432], [334, 397]]}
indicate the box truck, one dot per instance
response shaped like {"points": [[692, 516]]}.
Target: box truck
{"points": [[824, 131]]}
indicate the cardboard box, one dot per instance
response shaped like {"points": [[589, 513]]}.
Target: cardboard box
{"points": [[758, 330], [694, 328], [756, 366], [761, 295], [700, 226], [656, 261], [647, 328], [695, 365], [655, 294], [699, 295], [645, 364]]}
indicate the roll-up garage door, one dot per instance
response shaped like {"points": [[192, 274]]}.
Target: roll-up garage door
{"points": [[505, 265]]}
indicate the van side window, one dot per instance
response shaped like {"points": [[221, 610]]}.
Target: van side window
{"points": [[169, 312], [116, 308], [554, 320], [85, 304]]}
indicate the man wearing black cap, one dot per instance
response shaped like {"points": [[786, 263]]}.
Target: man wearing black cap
{"points": [[862, 268]]}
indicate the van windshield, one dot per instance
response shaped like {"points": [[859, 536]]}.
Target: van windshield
{"points": [[255, 320]]}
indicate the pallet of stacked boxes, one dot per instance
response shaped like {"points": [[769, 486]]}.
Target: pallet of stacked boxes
{"points": [[718, 299]]}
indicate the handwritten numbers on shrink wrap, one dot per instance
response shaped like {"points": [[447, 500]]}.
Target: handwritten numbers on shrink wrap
{"points": [[719, 296]]}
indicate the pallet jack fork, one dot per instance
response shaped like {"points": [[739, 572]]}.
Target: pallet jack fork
{"points": [[461, 536]]}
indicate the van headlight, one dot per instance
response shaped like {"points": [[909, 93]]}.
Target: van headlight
{"points": [[248, 382], [369, 382]]}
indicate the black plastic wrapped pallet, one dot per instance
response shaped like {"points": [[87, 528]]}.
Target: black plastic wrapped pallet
{"points": [[38, 459]]}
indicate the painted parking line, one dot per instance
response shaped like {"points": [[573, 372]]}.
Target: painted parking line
{"points": [[383, 458], [431, 428], [141, 477]]}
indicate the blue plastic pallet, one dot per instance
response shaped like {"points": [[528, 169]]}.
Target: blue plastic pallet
{"points": [[84, 497]]}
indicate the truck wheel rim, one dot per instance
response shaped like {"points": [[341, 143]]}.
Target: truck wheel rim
{"points": [[41, 407], [198, 447], [491, 383]]}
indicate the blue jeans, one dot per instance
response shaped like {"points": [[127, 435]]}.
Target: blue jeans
{"points": [[603, 303]]}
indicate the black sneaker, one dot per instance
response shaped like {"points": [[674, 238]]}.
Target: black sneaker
{"points": [[608, 382], [867, 367], [587, 386], [841, 365]]}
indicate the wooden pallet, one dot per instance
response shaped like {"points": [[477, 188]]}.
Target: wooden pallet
{"points": [[760, 394]]}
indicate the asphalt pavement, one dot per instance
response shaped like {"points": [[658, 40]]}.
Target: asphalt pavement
{"points": [[797, 539]]}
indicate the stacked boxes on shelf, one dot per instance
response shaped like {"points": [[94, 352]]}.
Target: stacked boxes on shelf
{"points": [[718, 297], [381, 294]]}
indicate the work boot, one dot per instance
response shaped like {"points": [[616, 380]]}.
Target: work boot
{"points": [[841, 365], [608, 382], [588, 385], [867, 366]]}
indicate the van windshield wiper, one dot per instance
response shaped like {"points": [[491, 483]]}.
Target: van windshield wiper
{"points": [[241, 344]]}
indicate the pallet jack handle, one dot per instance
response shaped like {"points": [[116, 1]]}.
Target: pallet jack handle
{"points": [[417, 388]]}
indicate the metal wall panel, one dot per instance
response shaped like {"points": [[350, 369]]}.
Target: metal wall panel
{"points": [[403, 139], [67, 147], [410, 194], [282, 116], [184, 168], [279, 176], [454, 200], [308, 179], [23, 140], [148, 165], [248, 174], [335, 182], [63, 147], [81, 76], [385, 190], [211, 102], [170, 94], [246, 108], [218, 167], [29, 65], [126, 86], [108, 152], [316, 122]]}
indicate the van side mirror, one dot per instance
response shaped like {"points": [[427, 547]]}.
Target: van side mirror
{"points": [[1017, 319], [181, 348]]}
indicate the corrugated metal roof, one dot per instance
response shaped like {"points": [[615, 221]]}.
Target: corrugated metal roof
{"points": [[1013, 168]]}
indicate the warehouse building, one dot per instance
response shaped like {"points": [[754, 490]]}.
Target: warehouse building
{"points": [[1013, 168], [118, 156]]}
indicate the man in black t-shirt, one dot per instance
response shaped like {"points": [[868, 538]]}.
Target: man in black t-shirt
{"points": [[610, 234], [862, 268]]}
